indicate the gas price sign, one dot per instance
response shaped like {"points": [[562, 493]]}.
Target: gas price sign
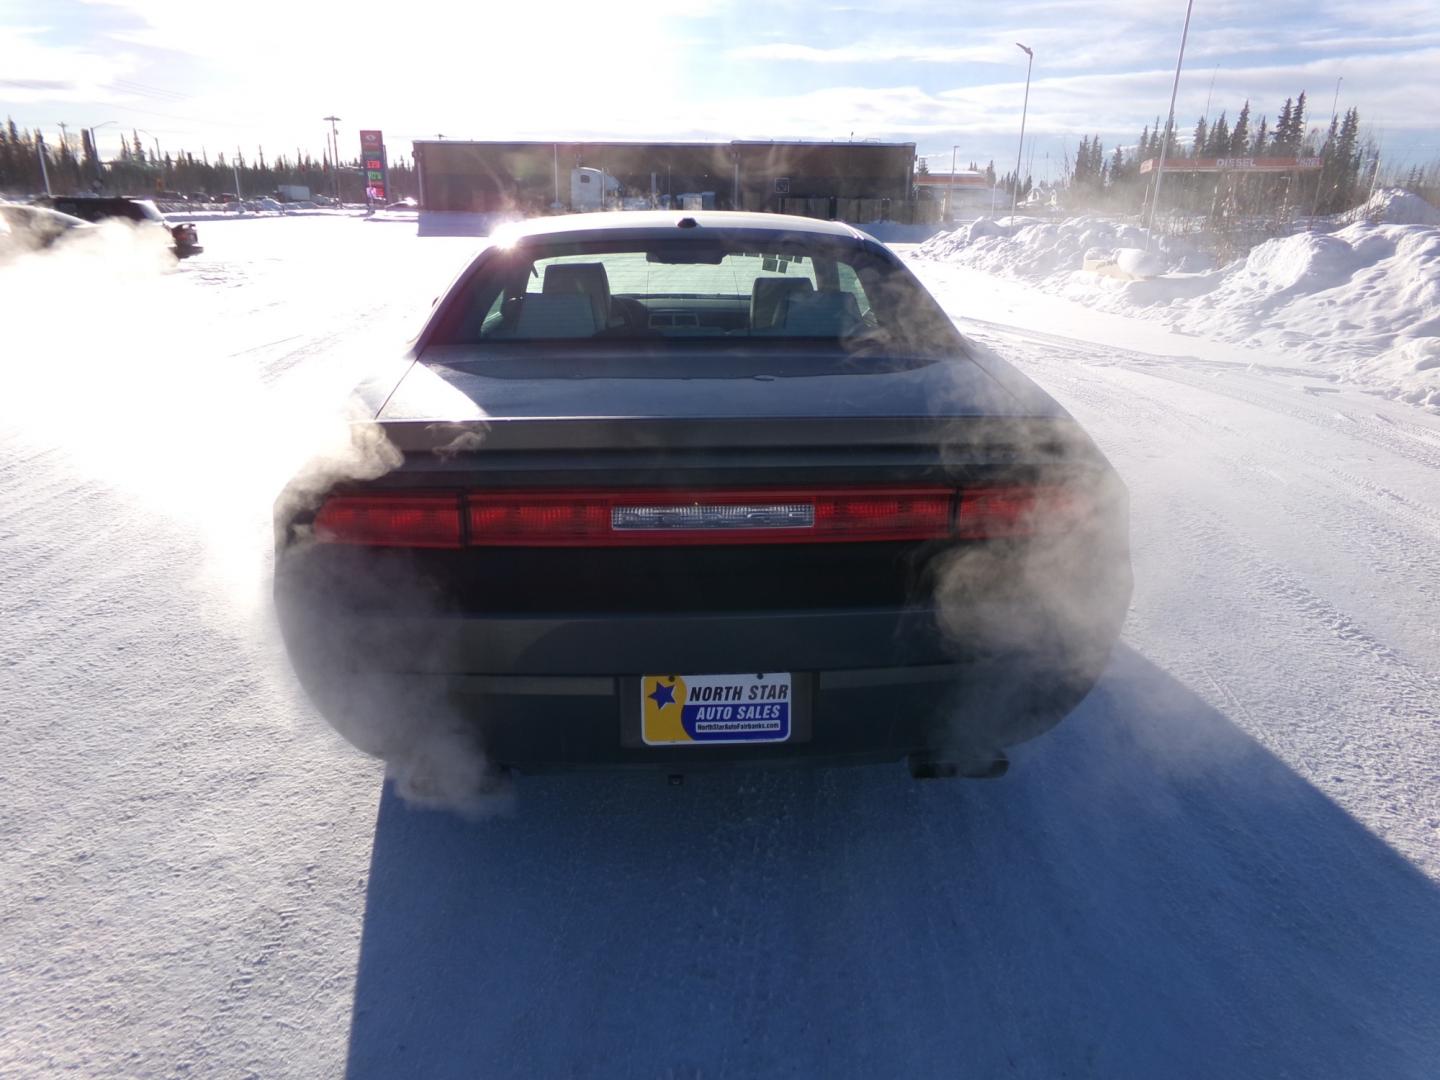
{"points": [[372, 156]]}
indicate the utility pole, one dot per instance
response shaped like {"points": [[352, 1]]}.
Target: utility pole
{"points": [[1169, 126], [235, 166], [334, 153], [1015, 191]]}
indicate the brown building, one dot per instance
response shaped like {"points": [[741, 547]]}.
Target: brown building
{"points": [[856, 181]]}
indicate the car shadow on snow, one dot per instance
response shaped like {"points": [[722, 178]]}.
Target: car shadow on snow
{"points": [[1148, 893]]}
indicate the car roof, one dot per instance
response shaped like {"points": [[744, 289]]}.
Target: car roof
{"points": [[70, 221], [82, 197], [658, 224]]}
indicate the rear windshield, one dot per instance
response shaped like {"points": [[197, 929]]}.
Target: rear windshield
{"points": [[703, 292]]}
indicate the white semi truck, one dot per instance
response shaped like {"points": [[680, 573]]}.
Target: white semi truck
{"points": [[592, 189]]}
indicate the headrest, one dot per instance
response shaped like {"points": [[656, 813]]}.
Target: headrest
{"points": [[581, 279]]}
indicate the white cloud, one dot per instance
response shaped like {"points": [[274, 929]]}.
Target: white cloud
{"points": [[198, 73], [31, 70], [876, 53]]}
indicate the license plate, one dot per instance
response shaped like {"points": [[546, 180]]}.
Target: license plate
{"points": [[692, 710]]}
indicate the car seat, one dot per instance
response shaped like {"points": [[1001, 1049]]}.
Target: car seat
{"points": [[770, 297], [555, 316], [822, 314]]}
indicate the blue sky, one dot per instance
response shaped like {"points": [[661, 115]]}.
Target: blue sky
{"points": [[938, 74]]}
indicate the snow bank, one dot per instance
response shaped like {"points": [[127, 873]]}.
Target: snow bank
{"points": [[1361, 304], [1037, 249], [1394, 206]]}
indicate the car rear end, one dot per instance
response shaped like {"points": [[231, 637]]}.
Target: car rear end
{"points": [[184, 239], [634, 556]]}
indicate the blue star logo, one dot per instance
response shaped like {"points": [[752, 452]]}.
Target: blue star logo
{"points": [[663, 695]]}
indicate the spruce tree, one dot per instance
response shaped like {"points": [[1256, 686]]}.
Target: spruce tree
{"points": [[1240, 137], [1281, 141], [7, 161], [87, 148], [1219, 144], [1261, 143], [1201, 139], [1347, 162]]}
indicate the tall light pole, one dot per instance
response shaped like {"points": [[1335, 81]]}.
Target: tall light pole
{"points": [[1015, 192], [334, 153], [1169, 126]]}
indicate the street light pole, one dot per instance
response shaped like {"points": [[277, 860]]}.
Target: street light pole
{"points": [[334, 154], [1015, 191], [1169, 126]]}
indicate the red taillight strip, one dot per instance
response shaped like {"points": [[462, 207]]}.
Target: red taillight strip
{"points": [[997, 513], [630, 518], [383, 519]]}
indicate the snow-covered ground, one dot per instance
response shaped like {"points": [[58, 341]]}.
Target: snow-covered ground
{"points": [[1359, 305], [1225, 863]]}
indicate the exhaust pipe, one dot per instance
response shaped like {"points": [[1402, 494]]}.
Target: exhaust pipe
{"points": [[947, 765]]}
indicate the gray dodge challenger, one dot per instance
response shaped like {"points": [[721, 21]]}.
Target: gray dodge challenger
{"points": [[676, 490]]}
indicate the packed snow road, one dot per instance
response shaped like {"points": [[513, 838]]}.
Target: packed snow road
{"points": [[1225, 863]]}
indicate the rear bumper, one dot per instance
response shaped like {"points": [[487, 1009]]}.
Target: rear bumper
{"points": [[870, 714], [566, 693]]}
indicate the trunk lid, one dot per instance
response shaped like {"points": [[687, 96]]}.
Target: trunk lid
{"points": [[453, 382]]}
